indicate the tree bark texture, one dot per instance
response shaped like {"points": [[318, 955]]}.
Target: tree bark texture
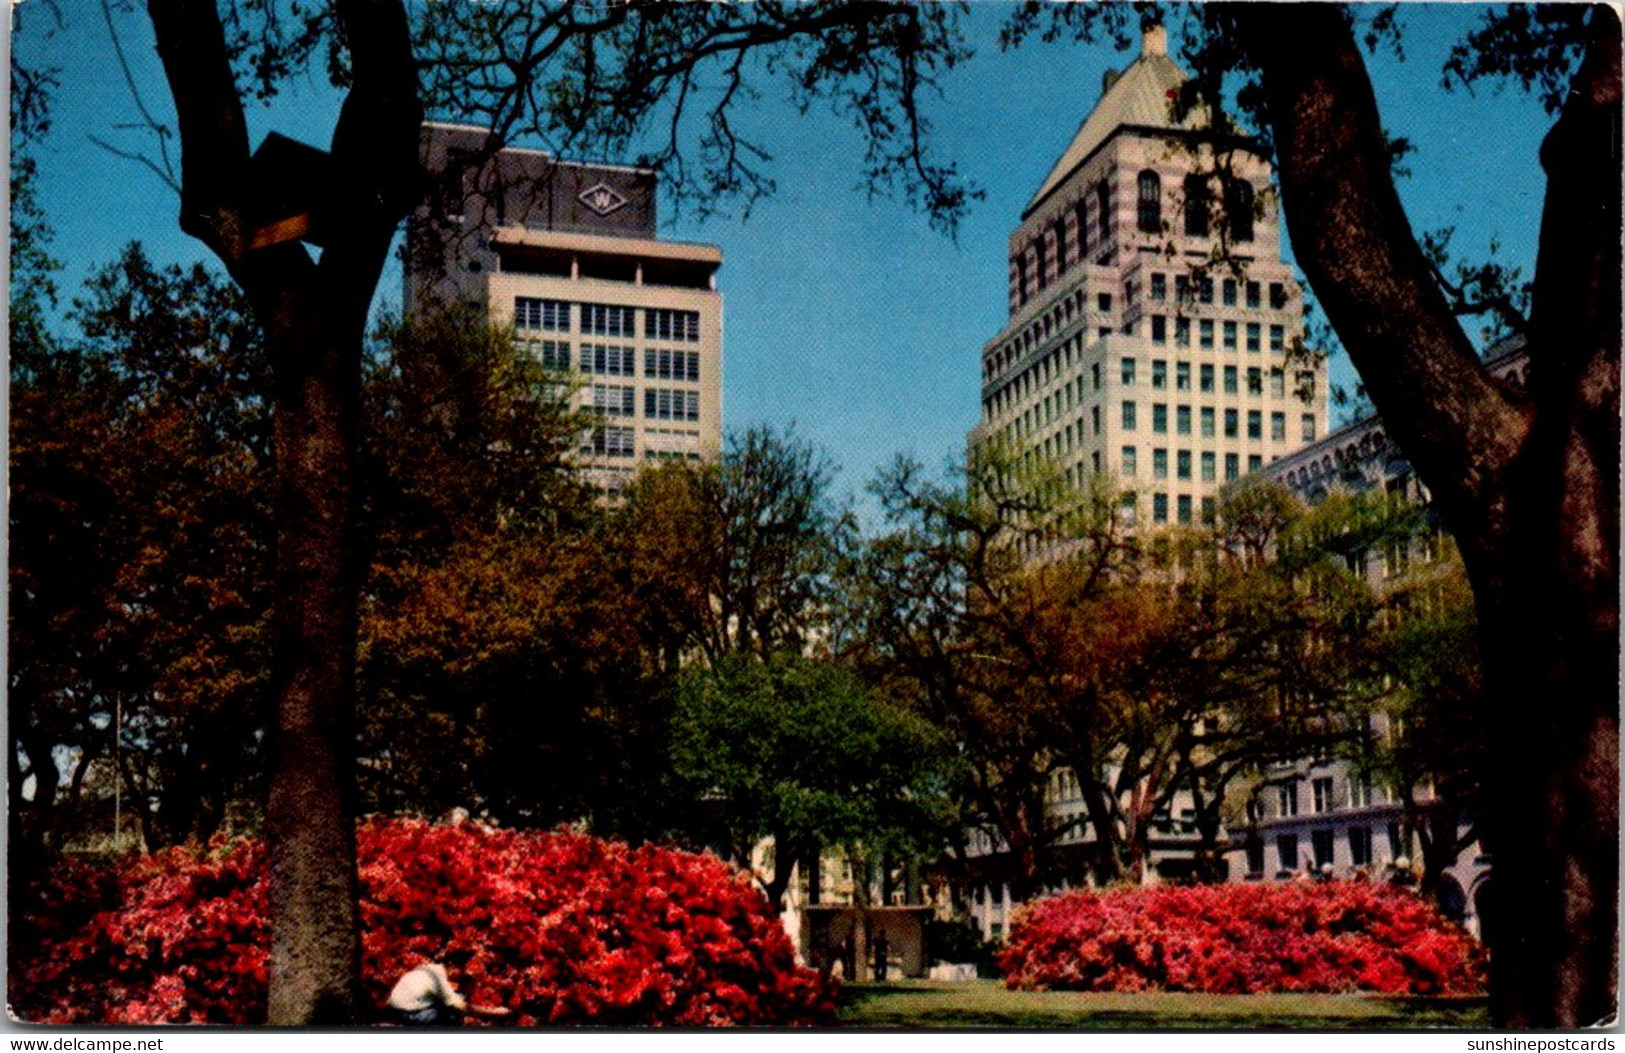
{"points": [[314, 314], [1527, 482]]}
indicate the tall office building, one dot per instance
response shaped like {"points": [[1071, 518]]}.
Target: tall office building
{"points": [[1151, 317], [567, 252]]}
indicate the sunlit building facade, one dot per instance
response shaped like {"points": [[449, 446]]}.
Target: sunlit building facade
{"points": [[568, 254], [1154, 332]]}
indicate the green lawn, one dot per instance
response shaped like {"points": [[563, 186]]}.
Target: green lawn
{"points": [[986, 1003]]}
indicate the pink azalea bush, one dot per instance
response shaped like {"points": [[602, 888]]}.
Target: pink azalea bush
{"points": [[1242, 939], [559, 928]]}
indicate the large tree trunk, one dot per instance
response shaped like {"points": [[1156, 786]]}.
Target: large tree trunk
{"points": [[1527, 483], [314, 315]]}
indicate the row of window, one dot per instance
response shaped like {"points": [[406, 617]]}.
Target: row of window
{"points": [[621, 442], [1207, 462], [610, 442], [1207, 377], [1183, 507], [1208, 421], [1199, 289], [599, 319], [1205, 330], [619, 400], [1323, 849], [1198, 206], [606, 360]]}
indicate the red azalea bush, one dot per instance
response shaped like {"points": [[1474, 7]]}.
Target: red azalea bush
{"points": [[1242, 939], [560, 928]]}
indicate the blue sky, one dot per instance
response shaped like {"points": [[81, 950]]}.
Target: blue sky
{"points": [[845, 314]]}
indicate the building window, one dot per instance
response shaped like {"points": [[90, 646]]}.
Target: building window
{"points": [[1159, 286], [1323, 847], [1360, 795], [1060, 245], [1277, 383], [1253, 294], [1159, 418], [1094, 420], [1254, 462], [1159, 329], [1209, 511], [1094, 375], [1255, 380], [1184, 506], [1207, 378], [1306, 385], [1230, 380], [1130, 461], [1182, 332], [1182, 420], [1182, 376], [1204, 336], [665, 404], [1229, 292], [1278, 427], [551, 316], [1286, 847], [1207, 422], [1232, 467], [1253, 331], [610, 442], [614, 400], [1229, 336], [1232, 424], [671, 365], [1159, 464], [601, 319], [608, 361], [1308, 422], [1182, 289], [1255, 424], [1081, 214], [1360, 845], [1041, 248], [1277, 338], [1204, 289], [1196, 207], [1159, 373], [1159, 508], [1255, 856], [1321, 788], [1128, 416], [1277, 295], [1182, 466], [1149, 200], [552, 354], [1103, 209], [662, 324], [1210, 467], [1287, 798], [1128, 372], [1239, 209]]}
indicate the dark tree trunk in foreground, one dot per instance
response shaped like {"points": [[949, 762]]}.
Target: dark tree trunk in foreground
{"points": [[314, 314], [1527, 483]]}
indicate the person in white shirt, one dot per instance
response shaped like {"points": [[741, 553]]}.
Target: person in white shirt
{"points": [[426, 997]]}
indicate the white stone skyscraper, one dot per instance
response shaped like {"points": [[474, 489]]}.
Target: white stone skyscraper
{"points": [[1151, 316]]}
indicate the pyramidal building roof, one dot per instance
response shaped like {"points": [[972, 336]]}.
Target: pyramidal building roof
{"points": [[1139, 97]]}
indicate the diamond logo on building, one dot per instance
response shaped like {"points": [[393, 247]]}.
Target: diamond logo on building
{"points": [[601, 198]]}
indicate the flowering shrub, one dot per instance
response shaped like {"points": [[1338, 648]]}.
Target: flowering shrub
{"points": [[559, 928], [1242, 939]]}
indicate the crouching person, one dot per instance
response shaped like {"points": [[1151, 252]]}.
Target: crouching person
{"points": [[426, 997]]}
